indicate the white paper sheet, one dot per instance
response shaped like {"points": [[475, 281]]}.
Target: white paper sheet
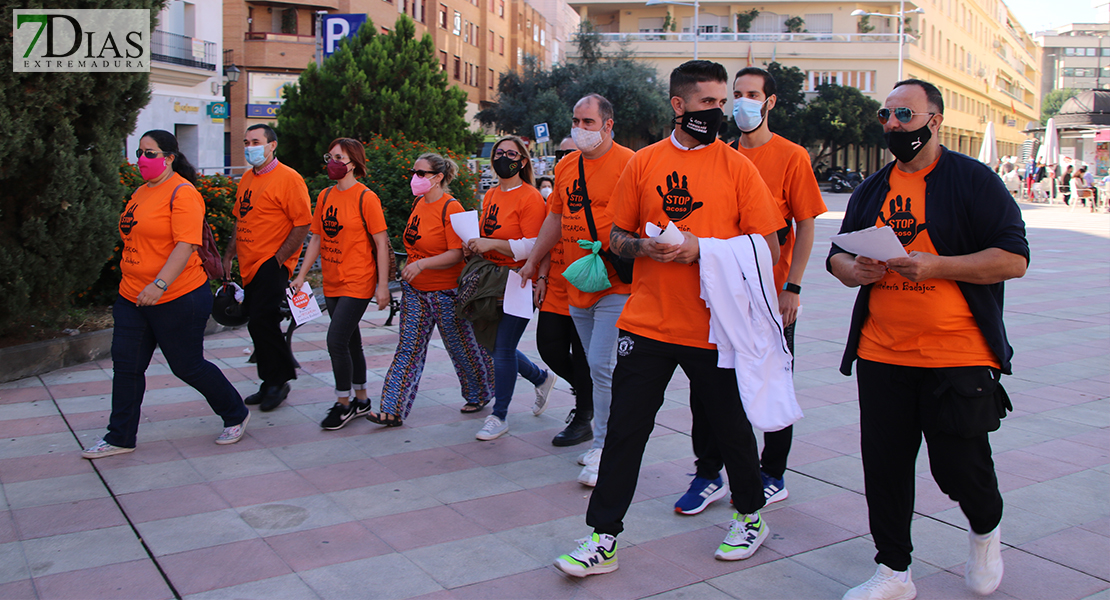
{"points": [[518, 300], [670, 235], [876, 243], [303, 305], [465, 225]]}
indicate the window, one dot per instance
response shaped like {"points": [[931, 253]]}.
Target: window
{"points": [[289, 21], [442, 16], [520, 56], [490, 82], [458, 68], [767, 22], [456, 25], [543, 37], [535, 33], [493, 6], [491, 39], [864, 81], [443, 60], [651, 25], [501, 8], [501, 45], [819, 23], [466, 74], [466, 32]]}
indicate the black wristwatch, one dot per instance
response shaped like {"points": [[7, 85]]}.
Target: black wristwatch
{"points": [[793, 288], [161, 284]]}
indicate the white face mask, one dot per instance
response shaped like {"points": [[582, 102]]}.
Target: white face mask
{"points": [[748, 114], [545, 192], [585, 139]]}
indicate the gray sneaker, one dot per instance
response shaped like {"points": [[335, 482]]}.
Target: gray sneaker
{"points": [[492, 429], [543, 390], [102, 449]]}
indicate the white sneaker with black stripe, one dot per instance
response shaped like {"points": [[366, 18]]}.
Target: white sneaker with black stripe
{"points": [[745, 534], [596, 554]]}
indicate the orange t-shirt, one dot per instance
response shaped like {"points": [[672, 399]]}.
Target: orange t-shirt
{"points": [[268, 207], [924, 324], [556, 300], [602, 175], [429, 233], [786, 170], [346, 257], [513, 215], [712, 192], [150, 233]]}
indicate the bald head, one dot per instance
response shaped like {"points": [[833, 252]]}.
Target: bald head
{"points": [[568, 144]]}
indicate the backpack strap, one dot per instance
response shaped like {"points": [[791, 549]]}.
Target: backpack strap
{"points": [[443, 217], [174, 194]]}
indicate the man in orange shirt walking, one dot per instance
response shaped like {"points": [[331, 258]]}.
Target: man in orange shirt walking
{"points": [[272, 219]]}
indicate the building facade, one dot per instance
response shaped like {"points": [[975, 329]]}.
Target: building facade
{"points": [[185, 75], [1076, 55], [973, 50]]}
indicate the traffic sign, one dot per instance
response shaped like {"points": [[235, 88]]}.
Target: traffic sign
{"points": [[337, 27], [542, 133]]}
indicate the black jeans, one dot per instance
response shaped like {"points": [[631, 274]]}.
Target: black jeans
{"points": [[177, 327], [265, 295], [560, 348], [776, 444], [348, 363], [644, 368], [896, 404]]}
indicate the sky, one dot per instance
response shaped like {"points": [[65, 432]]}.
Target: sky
{"points": [[1038, 15]]}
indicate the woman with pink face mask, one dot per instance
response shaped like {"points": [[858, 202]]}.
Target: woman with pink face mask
{"points": [[164, 300], [430, 281], [349, 235]]}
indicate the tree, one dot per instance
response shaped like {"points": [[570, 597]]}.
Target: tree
{"points": [[60, 140], [744, 20], [864, 24], [841, 116], [788, 119], [1053, 101], [376, 83], [641, 110]]}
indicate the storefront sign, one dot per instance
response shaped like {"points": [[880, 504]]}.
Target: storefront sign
{"points": [[263, 111]]}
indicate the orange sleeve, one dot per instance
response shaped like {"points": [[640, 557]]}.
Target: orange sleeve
{"points": [[532, 214], [759, 213], [558, 196], [803, 196], [317, 227], [625, 202], [187, 217], [453, 241], [298, 206], [372, 211]]}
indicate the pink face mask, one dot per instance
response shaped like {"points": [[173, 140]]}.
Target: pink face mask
{"points": [[420, 185], [151, 168]]}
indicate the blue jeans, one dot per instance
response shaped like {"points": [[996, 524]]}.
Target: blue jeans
{"points": [[508, 361], [597, 328], [177, 327]]}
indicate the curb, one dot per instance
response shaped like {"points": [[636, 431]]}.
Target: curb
{"points": [[36, 358]]}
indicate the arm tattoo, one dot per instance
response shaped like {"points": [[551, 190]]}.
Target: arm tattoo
{"points": [[625, 243]]}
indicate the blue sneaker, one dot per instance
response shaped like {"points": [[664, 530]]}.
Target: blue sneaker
{"points": [[773, 489], [701, 494]]}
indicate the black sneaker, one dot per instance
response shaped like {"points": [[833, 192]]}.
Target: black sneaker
{"points": [[274, 397], [339, 415], [578, 430]]}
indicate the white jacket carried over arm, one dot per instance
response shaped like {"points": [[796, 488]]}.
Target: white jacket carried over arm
{"points": [[738, 286]]}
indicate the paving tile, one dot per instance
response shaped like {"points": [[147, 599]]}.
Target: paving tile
{"points": [[944, 584], [507, 511], [82, 550], [347, 475], [452, 563], [148, 452], [541, 471], [13, 563], [794, 532], [282, 587], [137, 580], [236, 464], [34, 445], [847, 510], [784, 578], [641, 573], [144, 478], [424, 463], [537, 584], [43, 466], [693, 552], [426, 527], [322, 546], [18, 590], [697, 591], [1032, 578], [39, 492], [260, 489], [68, 517], [8, 532], [1078, 548], [297, 514], [222, 566], [384, 499], [171, 502], [203, 530], [306, 455], [394, 576], [458, 486]]}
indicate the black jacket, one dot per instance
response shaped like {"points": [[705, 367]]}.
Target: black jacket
{"points": [[967, 209]]}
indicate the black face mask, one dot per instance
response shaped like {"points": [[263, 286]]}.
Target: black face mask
{"points": [[905, 145], [702, 125], [506, 167]]}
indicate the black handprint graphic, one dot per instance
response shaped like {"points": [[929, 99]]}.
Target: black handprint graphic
{"points": [[412, 232], [677, 202], [902, 221], [245, 204], [127, 220], [576, 196], [330, 222], [489, 224]]}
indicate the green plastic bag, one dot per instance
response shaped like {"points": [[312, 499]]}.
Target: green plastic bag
{"points": [[588, 273]]}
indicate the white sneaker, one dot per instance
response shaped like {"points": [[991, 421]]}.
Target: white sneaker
{"points": [[885, 584], [588, 475], [984, 563], [543, 390], [597, 554], [591, 456], [234, 433], [745, 534], [102, 449], [492, 429]]}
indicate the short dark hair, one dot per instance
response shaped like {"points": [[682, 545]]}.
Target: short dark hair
{"points": [[769, 86], [690, 73], [271, 135], [544, 178], [604, 107], [932, 94]]}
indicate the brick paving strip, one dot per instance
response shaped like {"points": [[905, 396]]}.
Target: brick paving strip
{"points": [[426, 511]]}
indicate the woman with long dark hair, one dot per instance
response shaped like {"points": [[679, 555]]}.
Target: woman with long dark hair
{"points": [[164, 300]]}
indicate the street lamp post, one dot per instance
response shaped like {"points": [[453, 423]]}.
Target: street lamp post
{"points": [[901, 16], [695, 5]]}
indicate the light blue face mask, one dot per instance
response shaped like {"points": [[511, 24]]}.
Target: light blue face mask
{"points": [[748, 114], [255, 155]]}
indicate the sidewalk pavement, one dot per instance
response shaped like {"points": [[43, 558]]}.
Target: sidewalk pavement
{"points": [[427, 511]]}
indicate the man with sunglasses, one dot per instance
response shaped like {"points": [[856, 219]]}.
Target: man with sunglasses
{"points": [[272, 217], [928, 337]]}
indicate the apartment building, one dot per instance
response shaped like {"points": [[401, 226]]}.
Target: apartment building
{"points": [[1076, 55], [973, 50], [185, 76]]}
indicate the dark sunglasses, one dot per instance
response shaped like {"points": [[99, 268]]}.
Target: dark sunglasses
{"points": [[151, 154], [422, 173], [903, 114]]}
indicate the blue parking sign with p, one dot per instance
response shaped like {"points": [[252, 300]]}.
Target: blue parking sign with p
{"points": [[542, 133], [337, 27]]}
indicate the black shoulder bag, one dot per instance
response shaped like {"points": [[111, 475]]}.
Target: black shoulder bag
{"points": [[622, 266]]}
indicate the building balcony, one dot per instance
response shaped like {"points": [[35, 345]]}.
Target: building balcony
{"points": [[278, 50], [731, 45], [181, 60]]}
